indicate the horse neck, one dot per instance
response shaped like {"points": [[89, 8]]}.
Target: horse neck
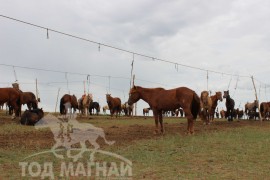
{"points": [[214, 100], [146, 94]]}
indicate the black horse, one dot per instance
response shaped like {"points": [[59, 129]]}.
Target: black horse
{"points": [[229, 105], [92, 106]]}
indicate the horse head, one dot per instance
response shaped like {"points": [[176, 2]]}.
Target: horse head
{"points": [[134, 95], [219, 96], [108, 97], [204, 97], [226, 94]]}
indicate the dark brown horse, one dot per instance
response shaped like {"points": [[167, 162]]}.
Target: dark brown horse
{"points": [[215, 98], [31, 117], [12, 97], [265, 110], [161, 100], [92, 106], [29, 99], [239, 113], [68, 101], [114, 104], [229, 105]]}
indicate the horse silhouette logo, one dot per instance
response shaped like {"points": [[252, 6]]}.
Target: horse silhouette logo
{"points": [[68, 132]]}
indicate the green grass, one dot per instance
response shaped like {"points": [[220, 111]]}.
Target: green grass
{"points": [[233, 153]]}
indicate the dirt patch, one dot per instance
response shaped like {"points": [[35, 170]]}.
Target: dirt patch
{"points": [[122, 135]]}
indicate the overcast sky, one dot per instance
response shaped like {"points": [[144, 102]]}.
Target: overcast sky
{"points": [[230, 36]]}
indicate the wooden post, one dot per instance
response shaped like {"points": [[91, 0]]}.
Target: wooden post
{"points": [[57, 99], [84, 87], [260, 116], [109, 84], [133, 80], [37, 92], [207, 77]]}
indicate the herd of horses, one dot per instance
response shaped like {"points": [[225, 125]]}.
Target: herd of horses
{"points": [[160, 100], [87, 106]]}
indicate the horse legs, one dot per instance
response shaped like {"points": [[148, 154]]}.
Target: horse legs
{"points": [[156, 120], [230, 113], [160, 118], [16, 109], [190, 118]]}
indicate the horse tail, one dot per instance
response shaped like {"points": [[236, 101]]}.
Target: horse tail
{"points": [[261, 108], [195, 105], [62, 107]]}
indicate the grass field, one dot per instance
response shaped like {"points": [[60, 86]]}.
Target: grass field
{"points": [[222, 150]]}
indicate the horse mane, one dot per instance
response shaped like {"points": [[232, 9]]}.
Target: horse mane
{"points": [[146, 89]]}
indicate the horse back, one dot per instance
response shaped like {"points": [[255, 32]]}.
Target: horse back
{"points": [[8, 94]]}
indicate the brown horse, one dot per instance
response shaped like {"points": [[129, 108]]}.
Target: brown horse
{"points": [[68, 100], [206, 106], [29, 99], [84, 103], [12, 97], [215, 98], [146, 111], [161, 100], [114, 104], [250, 108], [265, 110]]}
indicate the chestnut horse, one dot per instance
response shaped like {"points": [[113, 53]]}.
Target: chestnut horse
{"points": [[229, 105], [114, 104], [161, 100], [12, 97], [29, 99], [72, 100], [215, 98], [206, 106], [265, 110]]}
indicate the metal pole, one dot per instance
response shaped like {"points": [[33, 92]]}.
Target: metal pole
{"points": [[57, 99], [132, 81], [135, 103], [260, 116], [207, 80]]}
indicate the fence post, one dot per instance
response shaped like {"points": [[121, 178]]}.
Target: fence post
{"points": [[260, 116]]}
